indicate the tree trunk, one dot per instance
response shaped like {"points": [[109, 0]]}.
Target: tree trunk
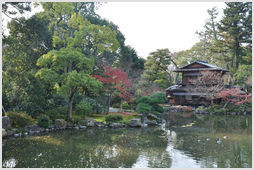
{"points": [[69, 111], [108, 103], [225, 105], [212, 102], [177, 74], [121, 106], [176, 78]]}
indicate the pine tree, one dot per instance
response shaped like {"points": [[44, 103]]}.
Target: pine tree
{"points": [[235, 31], [156, 76]]}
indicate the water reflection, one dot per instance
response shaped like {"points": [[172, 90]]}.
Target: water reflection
{"points": [[216, 141], [11, 163], [186, 141]]}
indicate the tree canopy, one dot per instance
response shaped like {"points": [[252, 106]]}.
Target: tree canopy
{"points": [[48, 59]]}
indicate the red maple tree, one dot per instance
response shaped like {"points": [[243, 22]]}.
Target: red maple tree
{"points": [[234, 95], [114, 79]]}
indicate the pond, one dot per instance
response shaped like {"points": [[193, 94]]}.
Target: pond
{"points": [[187, 141]]}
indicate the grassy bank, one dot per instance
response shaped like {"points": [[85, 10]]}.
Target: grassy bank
{"points": [[126, 117]]}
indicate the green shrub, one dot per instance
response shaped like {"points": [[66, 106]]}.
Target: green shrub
{"points": [[84, 108], [83, 122], [96, 104], [19, 118], [57, 113], [43, 121], [144, 108], [144, 99], [76, 119], [113, 117], [158, 97], [60, 117], [156, 113], [216, 106], [59, 100], [147, 104], [242, 107], [125, 122], [116, 105], [233, 108], [31, 109], [126, 105], [159, 109], [220, 111], [202, 107], [210, 109]]}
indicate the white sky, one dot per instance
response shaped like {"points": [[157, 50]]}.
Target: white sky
{"points": [[148, 26]]}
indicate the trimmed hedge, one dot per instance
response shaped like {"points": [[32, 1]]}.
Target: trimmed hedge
{"points": [[43, 121], [76, 119], [113, 117]]}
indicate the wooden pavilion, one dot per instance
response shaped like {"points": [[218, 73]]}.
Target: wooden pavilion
{"points": [[181, 94]]}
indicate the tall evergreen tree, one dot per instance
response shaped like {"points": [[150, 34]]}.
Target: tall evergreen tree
{"points": [[203, 50], [69, 68], [28, 40], [155, 76], [235, 31]]}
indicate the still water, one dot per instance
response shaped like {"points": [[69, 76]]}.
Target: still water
{"points": [[187, 141]]}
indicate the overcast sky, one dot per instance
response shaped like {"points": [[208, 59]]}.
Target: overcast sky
{"points": [[148, 26]]}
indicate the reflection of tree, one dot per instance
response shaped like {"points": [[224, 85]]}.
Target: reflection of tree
{"points": [[97, 148], [158, 159], [180, 118], [235, 151], [113, 148], [221, 124]]}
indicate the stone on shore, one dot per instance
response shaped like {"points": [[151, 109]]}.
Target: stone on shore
{"points": [[116, 125], [249, 110], [99, 124], [60, 123], [144, 125], [6, 122], [82, 127], [90, 122], [4, 133], [143, 118], [152, 123], [33, 128], [69, 125], [135, 123]]}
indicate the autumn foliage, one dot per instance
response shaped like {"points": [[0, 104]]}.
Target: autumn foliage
{"points": [[114, 79], [235, 96]]}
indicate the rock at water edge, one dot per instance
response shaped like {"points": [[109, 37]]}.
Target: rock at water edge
{"points": [[6, 122], [32, 128], [4, 133], [135, 123], [116, 125], [60, 123]]}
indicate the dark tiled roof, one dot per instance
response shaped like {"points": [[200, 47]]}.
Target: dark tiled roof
{"points": [[205, 63]]}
